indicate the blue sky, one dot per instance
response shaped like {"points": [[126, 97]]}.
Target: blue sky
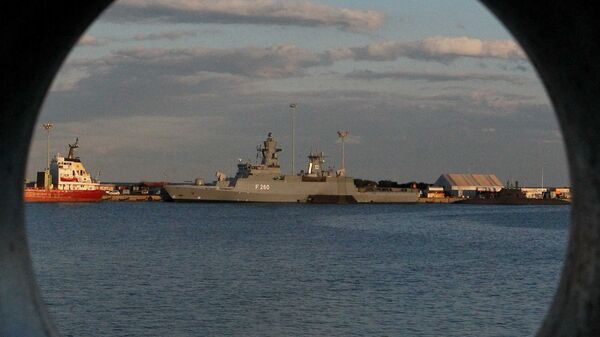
{"points": [[179, 89]]}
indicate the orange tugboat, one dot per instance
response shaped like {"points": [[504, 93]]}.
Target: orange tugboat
{"points": [[64, 179]]}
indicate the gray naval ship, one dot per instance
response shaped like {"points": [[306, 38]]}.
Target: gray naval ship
{"points": [[266, 184]]}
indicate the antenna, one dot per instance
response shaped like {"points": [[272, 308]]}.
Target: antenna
{"points": [[72, 148], [48, 126]]}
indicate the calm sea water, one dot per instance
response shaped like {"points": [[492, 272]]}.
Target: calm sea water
{"points": [[164, 269]]}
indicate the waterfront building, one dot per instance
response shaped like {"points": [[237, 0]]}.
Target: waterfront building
{"points": [[435, 192], [534, 192], [560, 193], [468, 184]]}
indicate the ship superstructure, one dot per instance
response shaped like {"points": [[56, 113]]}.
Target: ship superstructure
{"points": [[69, 173], [264, 182]]}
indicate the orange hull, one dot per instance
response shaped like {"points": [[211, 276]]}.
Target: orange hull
{"points": [[40, 195]]}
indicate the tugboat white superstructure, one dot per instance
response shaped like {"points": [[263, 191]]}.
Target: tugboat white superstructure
{"points": [[265, 183], [69, 173]]}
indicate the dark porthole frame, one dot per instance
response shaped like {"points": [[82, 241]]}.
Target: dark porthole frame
{"points": [[562, 40]]}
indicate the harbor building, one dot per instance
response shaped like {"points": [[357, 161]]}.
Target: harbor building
{"points": [[534, 192], [546, 193], [468, 184], [435, 192], [560, 192]]}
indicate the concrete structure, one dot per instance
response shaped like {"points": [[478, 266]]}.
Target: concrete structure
{"points": [[559, 37], [467, 184]]}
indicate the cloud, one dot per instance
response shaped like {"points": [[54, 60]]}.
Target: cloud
{"points": [[272, 62], [284, 61], [141, 90], [482, 101], [133, 68], [88, 40], [494, 100], [470, 47], [262, 12], [168, 35], [440, 49], [151, 81], [69, 77], [434, 77]]}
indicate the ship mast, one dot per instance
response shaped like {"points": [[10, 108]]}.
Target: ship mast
{"points": [[343, 135], [48, 126], [293, 106]]}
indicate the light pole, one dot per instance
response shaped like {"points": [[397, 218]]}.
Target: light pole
{"points": [[542, 176], [48, 126], [293, 106], [343, 135]]}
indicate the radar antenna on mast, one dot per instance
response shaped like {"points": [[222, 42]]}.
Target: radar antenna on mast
{"points": [[72, 148]]}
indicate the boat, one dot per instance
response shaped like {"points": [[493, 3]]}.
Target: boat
{"points": [[511, 196], [265, 183], [64, 180]]}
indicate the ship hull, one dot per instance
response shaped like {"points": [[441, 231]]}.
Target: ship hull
{"points": [[40, 195], [290, 189], [208, 194], [514, 201]]}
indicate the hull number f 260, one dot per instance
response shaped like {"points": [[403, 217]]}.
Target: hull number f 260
{"points": [[263, 187]]}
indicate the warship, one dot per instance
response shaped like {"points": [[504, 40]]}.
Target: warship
{"points": [[265, 183]]}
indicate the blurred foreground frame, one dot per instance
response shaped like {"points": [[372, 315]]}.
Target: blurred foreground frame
{"points": [[562, 40]]}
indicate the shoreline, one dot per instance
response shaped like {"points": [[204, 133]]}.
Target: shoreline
{"points": [[445, 200]]}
